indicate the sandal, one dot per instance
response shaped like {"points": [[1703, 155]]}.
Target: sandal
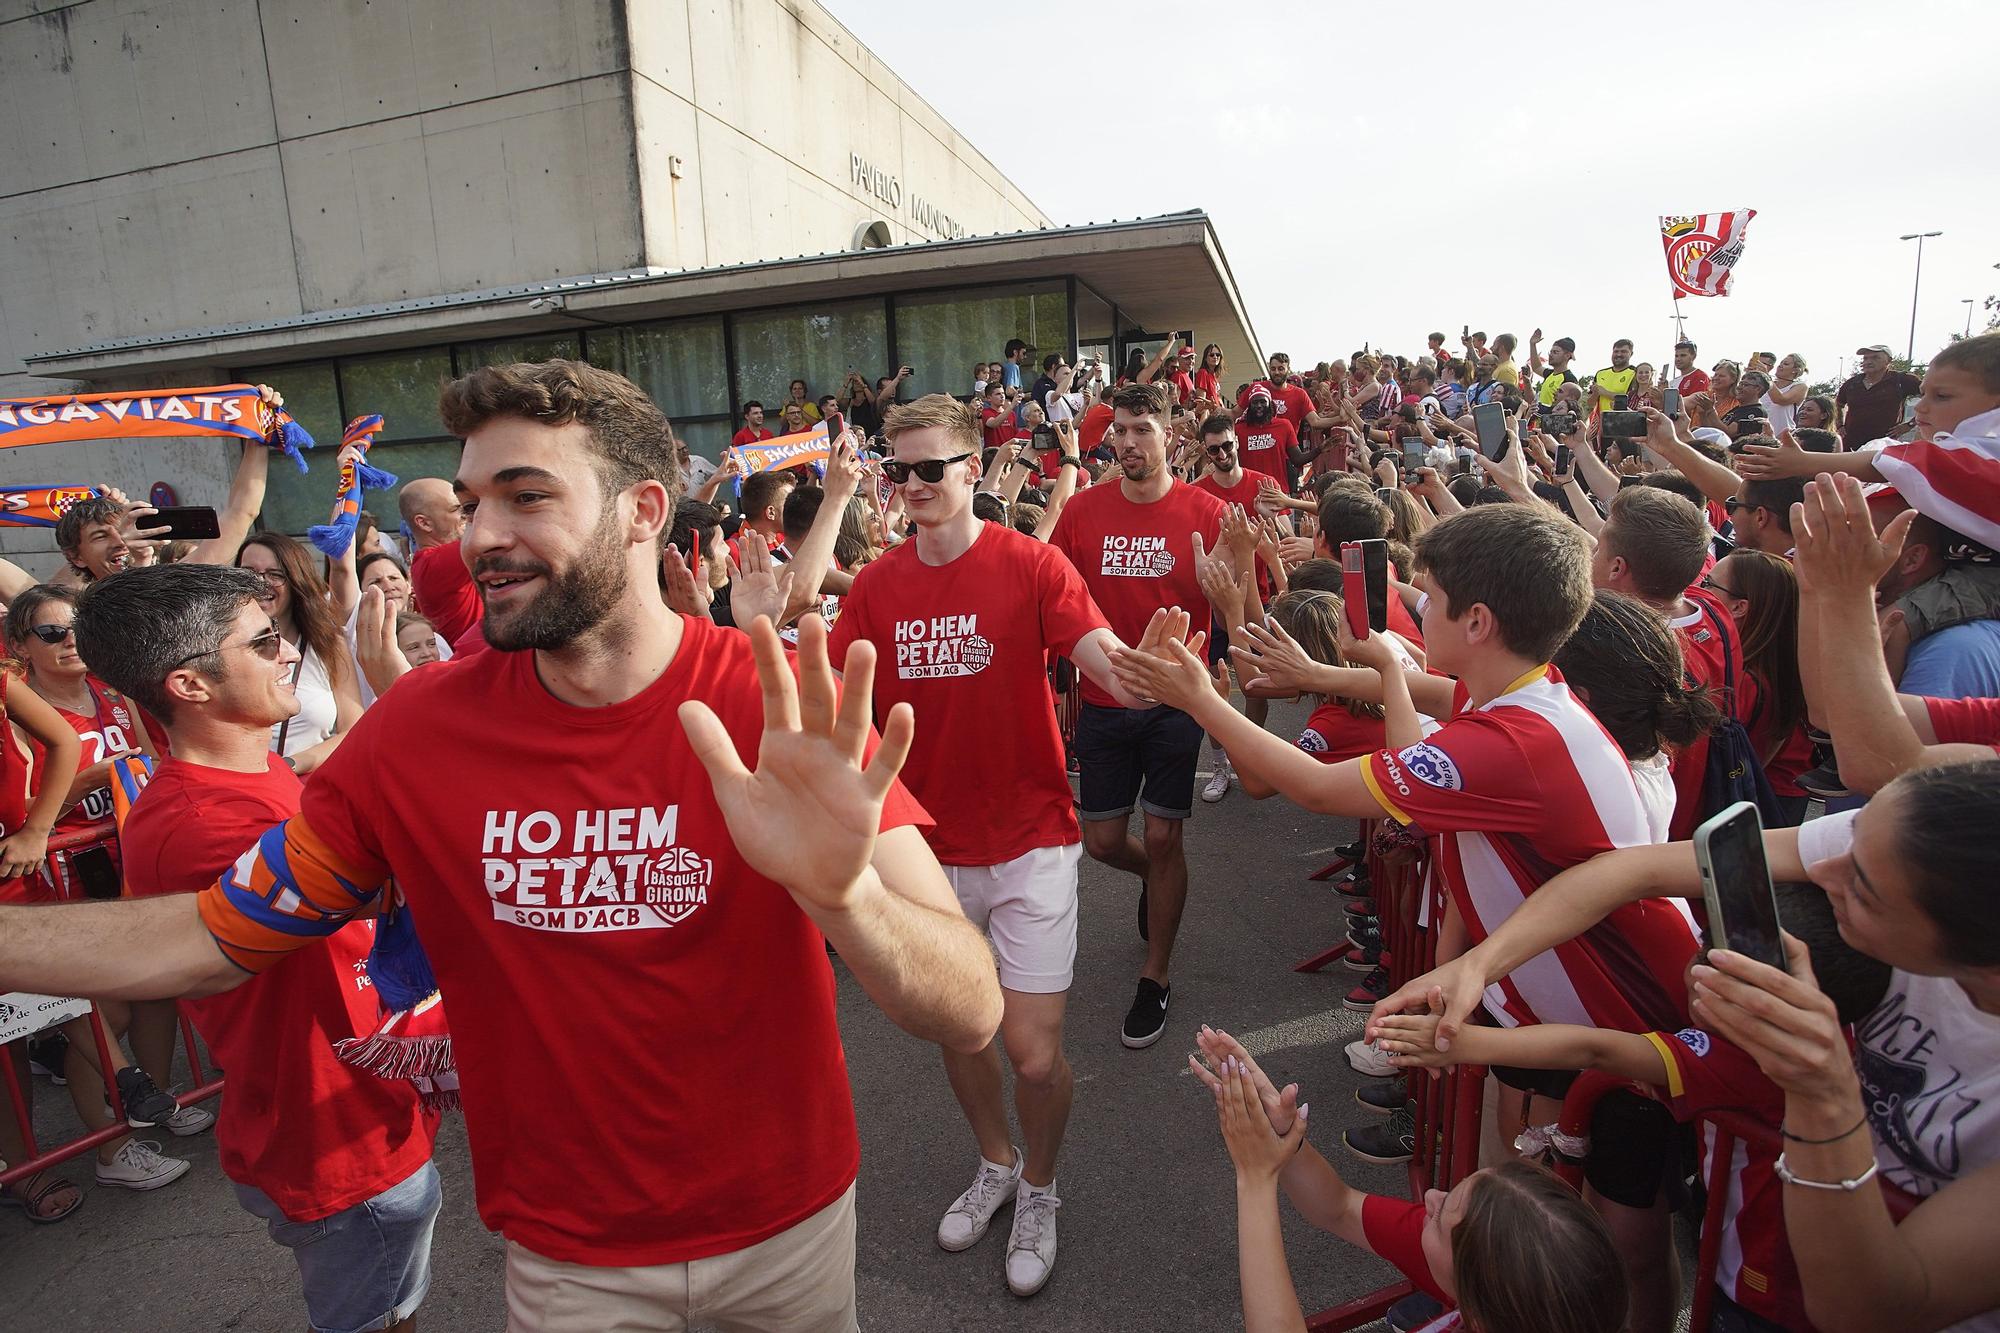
{"points": [[33, 1194]]}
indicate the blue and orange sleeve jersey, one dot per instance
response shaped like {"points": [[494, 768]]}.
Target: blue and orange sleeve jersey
{"points": [[289, 889]]}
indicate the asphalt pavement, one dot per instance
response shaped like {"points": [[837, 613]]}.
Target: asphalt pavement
{"points": [[1148, 1219]]}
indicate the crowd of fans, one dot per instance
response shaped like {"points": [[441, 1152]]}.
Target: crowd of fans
{"points": [[1619, 603]]}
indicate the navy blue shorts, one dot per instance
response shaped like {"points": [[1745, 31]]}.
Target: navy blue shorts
{"points": [[1135, 756]]}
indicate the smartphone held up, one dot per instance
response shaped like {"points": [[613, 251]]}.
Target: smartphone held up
{"points": [[1364, 579]]}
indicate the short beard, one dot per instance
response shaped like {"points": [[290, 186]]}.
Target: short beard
{"points": [[1146, 469], [572, 604]]}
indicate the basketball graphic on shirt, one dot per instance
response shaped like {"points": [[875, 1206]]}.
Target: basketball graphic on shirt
{"points": [[677, 884], [976, 654]]}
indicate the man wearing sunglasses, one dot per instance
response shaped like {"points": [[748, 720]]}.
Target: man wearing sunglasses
{"points": [[964, 619], [602, 836], [1136, 539], [335, 1159]]}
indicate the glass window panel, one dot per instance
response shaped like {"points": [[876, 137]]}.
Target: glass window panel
{"points": [[540, 347], [818, 344], [681, 366], [1095, 329], [941, 336], [707, 438], [294, 500], [403, 387], [429, 458]]}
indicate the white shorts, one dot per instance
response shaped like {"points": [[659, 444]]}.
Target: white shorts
{"points": [[1027, 907]]}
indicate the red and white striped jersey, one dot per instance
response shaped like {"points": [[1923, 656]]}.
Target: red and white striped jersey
{"points": [[1515, 791]]}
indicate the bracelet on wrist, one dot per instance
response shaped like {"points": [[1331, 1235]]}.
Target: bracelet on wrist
{"points": [[1795, 1138], [1784, 1173]]}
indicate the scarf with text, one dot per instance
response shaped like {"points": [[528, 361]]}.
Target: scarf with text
{"points": [[233, 410], [40, 506], [337, 534]]}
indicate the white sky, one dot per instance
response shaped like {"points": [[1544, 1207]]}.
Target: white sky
{"points": [[1374, 175]]}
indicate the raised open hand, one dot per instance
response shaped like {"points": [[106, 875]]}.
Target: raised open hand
{"points": [[1215, 1046], [759, 585], [375, 647], [685, 593], [1271, 659], [807, 817]]}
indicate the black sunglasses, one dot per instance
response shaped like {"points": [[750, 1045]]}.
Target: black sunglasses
{"points": [[930, 470], [265, 645], [52, 634]]}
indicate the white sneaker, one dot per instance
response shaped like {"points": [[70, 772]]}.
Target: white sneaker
{"points": [[1367, 1058], [139, 1166], [1217, 785], [188, 1121], [1031, 1247], [973, 1212]]}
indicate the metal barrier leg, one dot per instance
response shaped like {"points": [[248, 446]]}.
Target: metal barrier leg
{"points": [[1711, 1230]]}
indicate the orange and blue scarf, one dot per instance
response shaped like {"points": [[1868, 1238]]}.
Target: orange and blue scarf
{"points": [[337, 534], [40, 506], [233, 410]]}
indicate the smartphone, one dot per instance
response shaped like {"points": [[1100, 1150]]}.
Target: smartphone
{"points": [[1413, 458], [94, 873], [1364, 580], [185, 523], [1736, 885], [835, 424], [1489, 422], [1565, 459], [1672, 399], [1621, 425]]}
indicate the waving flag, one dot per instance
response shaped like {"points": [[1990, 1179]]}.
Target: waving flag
{"points": [[1954, 479], [805, 449], [233, 410], [337, 534], [1703, 249], [40, 506]]}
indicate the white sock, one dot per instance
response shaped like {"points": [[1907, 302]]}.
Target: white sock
{"points": [[1000, 1166], [1049, 1188]]}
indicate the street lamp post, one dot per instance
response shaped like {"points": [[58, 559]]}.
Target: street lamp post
{"points": [[1968, 302], [1919, 237]]}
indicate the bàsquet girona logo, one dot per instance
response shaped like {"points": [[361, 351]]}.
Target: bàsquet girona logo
{"points": [[592, 870], [941, 646]]}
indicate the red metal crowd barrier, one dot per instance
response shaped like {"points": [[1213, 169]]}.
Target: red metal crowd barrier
{"points": [[1448, 1108], [61, 874]]}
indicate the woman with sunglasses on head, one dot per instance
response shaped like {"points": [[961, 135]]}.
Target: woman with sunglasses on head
{"points": [[41, 635], [327, 683]]}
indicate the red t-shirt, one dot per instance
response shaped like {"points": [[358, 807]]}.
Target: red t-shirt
{"points": [[1182, 384], [108, 729], [644, 1026], [443, 590], [1754, 1266], [1394, 1229], [1090, 431], [1265, 448], [1204, 382], [1242, 493], [314, 1134], [1293, 404], [1965, 721], [1000, 427], [1136, 558], [1333, 735], [1702, 633], [1695, 381], [748, 436], [1512, 792], [13, 794], [967, 645]]}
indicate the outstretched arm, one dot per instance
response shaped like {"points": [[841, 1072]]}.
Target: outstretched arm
{"points": [[132, 949]]}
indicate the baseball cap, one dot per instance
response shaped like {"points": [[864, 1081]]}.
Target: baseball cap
{"points": [[1883, 348], [1710, 435], [1567, 344]]}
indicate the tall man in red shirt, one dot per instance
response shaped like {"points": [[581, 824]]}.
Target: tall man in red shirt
{"points": [[1136, 541], [574, 852], [336, 1160], [1229, 481], [964, 619], [753, 431], [440, 583], [1687, 376]]}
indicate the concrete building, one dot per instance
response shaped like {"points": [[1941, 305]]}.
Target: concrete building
{"points": [[353, 199]]}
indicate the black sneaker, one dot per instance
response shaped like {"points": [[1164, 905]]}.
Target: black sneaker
{"points": [[1360, 907], [1365, 934], [1145, 927], [1372, 988], [145, 1105], [1361, 959], [46, 1055], [1349, 851], [1415, 1311], [1147, 1018], [1393, 1140], [1383, 1096], [1359, 887], [1823, 782]]}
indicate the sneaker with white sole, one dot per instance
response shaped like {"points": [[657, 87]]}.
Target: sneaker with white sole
{"points": [[1217, 785], [972, 1212], [1147, 1018], [1031, 1246], [1367, 1058], [140, 1166], [188, 1121], [145, 1105]]}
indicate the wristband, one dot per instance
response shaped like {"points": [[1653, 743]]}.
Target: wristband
{"points": [[1784, 1173], [1794, 1138], [1071, 460]]}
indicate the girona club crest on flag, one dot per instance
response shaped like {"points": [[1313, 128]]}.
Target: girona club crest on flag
{"points": [[1703, 250]]}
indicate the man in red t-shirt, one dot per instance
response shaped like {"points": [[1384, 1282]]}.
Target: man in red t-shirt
{"points": [[1291, 403], [596, 839], [1652, 547], [440, 584], [1687, 376], [1264, 439], [1137, 540], [336, 1159], [964, 619], [1229, 481], [753, 431]]}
